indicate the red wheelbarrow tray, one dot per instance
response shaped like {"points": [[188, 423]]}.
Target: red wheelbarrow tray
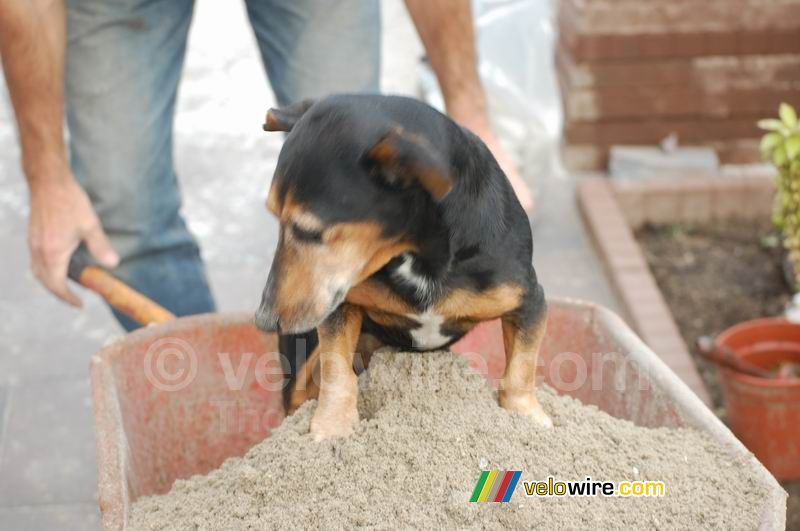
{"points": [[147, 437]]}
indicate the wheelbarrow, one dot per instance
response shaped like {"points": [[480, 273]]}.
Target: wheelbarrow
{"points": [[177, 398]]}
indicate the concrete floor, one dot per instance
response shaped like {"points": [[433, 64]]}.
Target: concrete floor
{"points": [[47, 452]]}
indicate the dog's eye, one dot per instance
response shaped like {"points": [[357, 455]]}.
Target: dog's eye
{"points": [[306, 235]]}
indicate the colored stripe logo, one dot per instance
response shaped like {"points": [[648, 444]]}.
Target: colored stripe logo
{"points": [[495, 486]]}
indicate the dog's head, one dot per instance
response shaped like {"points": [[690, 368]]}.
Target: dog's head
{"points": [[343, 191]]}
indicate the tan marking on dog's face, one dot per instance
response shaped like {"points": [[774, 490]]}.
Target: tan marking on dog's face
{"points": [[273, 202], [316, 265], [480, 305]]}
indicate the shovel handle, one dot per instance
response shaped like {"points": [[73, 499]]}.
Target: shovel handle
{"points": [[116, 293], [725, 357]]}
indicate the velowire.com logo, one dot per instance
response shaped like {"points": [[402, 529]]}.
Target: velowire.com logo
{"points": [[494, 486]]}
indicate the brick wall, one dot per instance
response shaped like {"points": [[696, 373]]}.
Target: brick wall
{"points": [[634, 71]]}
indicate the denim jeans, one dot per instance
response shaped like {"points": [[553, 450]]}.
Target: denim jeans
{"points": [[123, 66]]}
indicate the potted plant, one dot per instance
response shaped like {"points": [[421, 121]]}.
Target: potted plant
{"points": [[759, 359], [781, 146]]}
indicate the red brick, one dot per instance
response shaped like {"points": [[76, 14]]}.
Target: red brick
{"points": [[652, 131], [638, 291], [665, 328], [675, 101], [634, 285], [671, 349], [578, 158], [650, 308], [663, 206], [696, 197], [649, 300], [678, 28], [593, 157], [630, 196], [742, 198], [737, 151], [744, 72]]}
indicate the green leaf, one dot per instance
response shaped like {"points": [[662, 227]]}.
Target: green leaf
{"points": [[771, 124], [779, 156], [769, 142], [794, 168], [788, 115], [792, 145]]}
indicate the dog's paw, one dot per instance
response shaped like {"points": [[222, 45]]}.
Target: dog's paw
{"points": [[526, 404], [330, 425]]}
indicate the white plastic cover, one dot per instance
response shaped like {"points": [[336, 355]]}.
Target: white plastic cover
{"points": [[516, 48]]}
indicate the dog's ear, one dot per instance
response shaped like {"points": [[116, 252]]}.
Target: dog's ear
{"points": [[404, 158], [283, 119]]}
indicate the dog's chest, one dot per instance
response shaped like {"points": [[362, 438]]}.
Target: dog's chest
{"points": [[427, 331], [428, 334], [406, 308]]}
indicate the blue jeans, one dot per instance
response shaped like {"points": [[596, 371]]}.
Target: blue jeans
{"points": [[123, 66]]}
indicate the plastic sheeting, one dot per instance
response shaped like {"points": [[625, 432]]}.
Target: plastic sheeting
{"points": [[516, 48]]}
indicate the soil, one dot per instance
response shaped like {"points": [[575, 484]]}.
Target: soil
{"points": [[713, 277], [429, 427]]}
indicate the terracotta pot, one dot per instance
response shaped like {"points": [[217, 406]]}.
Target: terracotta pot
{"points": [[765, 413]]}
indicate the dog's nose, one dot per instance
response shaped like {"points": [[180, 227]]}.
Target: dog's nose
{"points": [[267, 321]]}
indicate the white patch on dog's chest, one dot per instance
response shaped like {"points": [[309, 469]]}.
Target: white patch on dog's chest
{"points": [[405, 274], [429, 334]]}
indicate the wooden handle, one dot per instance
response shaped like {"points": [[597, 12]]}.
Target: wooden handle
{"points": [[725, 357], [119, 295], [122, 297]]}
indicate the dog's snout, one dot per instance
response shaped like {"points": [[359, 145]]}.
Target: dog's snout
{"points": [[290, 304], [267, 320]]}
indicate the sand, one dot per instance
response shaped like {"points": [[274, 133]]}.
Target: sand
{"points": [[429, 426]]}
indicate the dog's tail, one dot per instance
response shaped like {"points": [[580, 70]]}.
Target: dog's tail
{"points": [[296, 351]]}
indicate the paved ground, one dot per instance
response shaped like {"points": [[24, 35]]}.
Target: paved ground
{"points": [[47, 453]]}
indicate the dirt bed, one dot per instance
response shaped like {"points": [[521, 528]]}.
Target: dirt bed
{"points": [[429, 427], [714, 276]]}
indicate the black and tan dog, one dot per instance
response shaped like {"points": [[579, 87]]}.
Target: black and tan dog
{"points": [[398, 228]]}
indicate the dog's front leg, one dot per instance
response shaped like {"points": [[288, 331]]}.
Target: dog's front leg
{"points": [[336, 414], [523, 332]]}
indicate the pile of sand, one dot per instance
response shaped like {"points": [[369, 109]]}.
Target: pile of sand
{"points": [[429, 427]]}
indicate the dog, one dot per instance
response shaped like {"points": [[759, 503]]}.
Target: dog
{"points": [[397, 227]]}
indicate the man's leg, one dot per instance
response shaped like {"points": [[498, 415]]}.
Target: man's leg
{"points": [[124, 61], [313, 48]]}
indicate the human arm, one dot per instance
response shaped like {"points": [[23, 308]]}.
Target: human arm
{"points": [[447, 32], [32, 46]]}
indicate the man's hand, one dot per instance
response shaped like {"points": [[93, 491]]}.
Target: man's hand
{"points": [[61, 218], [32, 42]]}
